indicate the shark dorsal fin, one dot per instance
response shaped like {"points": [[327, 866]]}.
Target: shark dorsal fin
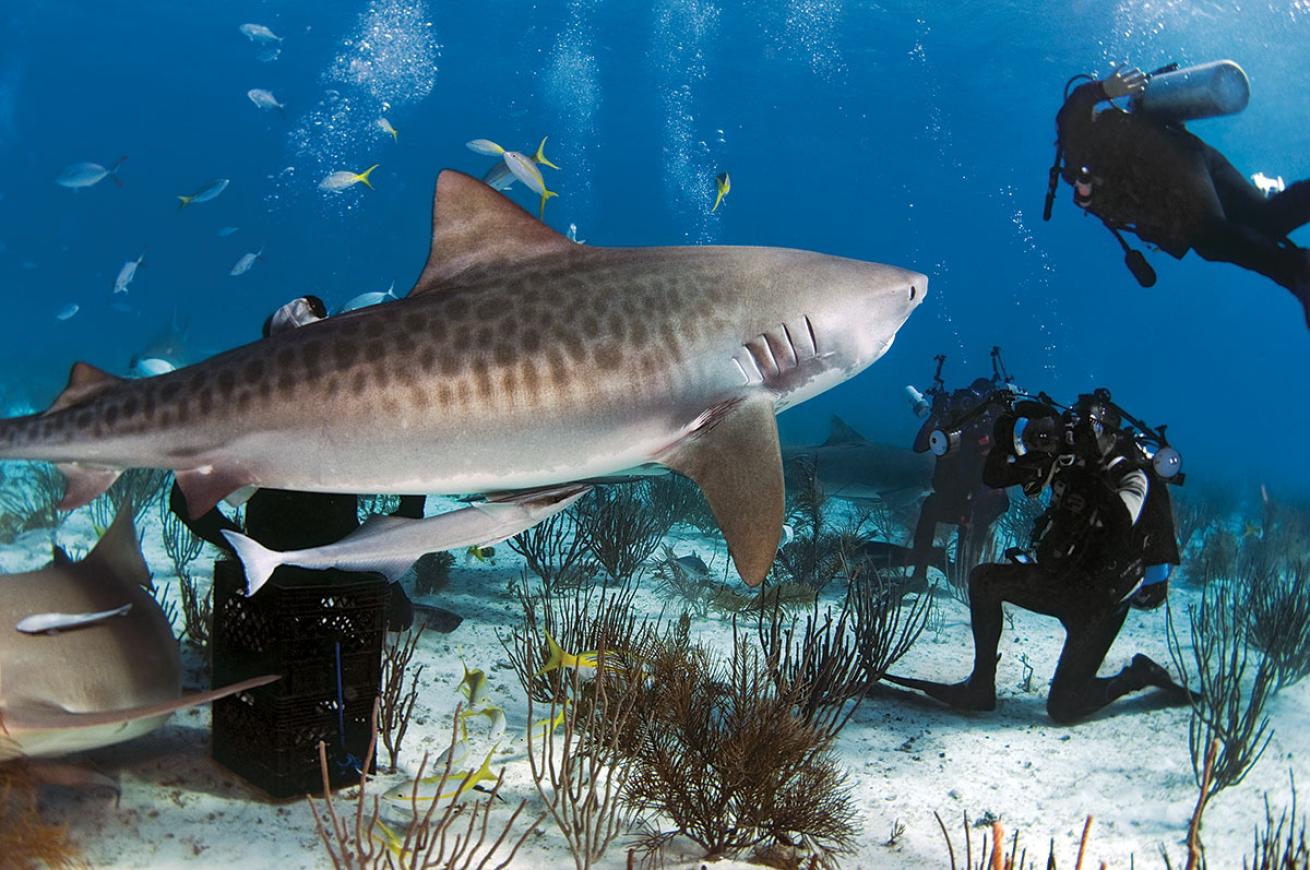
{"points": [[473, 225], [117, 556], [842, 433], [85, 382]]}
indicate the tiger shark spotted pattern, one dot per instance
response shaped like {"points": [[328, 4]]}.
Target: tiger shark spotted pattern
{"points": [[519, 361]]}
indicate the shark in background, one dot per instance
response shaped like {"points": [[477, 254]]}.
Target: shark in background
{"points": [[87, 657], [519, 361], [849, 466]]}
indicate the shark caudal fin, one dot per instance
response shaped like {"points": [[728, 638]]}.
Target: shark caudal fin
{"points": [[259, 561]]}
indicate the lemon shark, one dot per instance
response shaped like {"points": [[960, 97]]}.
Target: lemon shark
{"points": [[85, 682], [519, 361]]}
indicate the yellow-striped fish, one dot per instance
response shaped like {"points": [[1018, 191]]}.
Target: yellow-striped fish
{"points": [[724, 185]]}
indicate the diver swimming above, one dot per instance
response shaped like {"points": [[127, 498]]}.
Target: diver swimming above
{"points": [[959, 496], [1140, 170], [1107, 534]]}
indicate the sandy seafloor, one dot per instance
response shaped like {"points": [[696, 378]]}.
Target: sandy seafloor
{"points": [[1128, 767]]}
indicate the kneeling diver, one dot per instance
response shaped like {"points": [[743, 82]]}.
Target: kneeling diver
{"points": [[1141, 171], [1107, 533]]}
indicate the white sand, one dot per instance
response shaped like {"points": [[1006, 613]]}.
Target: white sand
{"points": [[907, 757]]}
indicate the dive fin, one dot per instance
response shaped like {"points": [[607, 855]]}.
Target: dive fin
{"points": [[472, 225], [735, 459], [84, 482]]}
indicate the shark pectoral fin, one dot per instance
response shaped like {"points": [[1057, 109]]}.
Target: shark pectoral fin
{"points": [[79, 776], [84, 482], [736, 462], [472, 225], [205, 487], [85, 381], [50, 718]]}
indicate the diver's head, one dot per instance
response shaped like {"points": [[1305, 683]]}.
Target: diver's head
{"points": [[1094, 424]]}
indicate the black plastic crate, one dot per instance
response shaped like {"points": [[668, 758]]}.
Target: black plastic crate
{"points": [[299, 625], [293, 626], [274, 744]]}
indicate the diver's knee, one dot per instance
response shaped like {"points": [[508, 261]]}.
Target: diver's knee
{"points": [[1063, 708]]}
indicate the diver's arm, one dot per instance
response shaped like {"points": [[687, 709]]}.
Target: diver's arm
{"points": [[925, 431], [1132, 489], [1000, 470]]}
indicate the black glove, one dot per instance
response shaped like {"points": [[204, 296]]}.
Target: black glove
{"points": [[1150, 597]]}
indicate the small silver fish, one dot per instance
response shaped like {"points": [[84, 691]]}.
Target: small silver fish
{"points": [[127, 273], [209, 190], [80, 175], [247, 260], [67, 311], [388, 129], [343, 179], [264, 99], [364, 300], [227, 231], [39, 623], [258, 33]]}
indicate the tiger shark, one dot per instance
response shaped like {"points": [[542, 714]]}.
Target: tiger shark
{"points": [[104, 667], [519, 361]]}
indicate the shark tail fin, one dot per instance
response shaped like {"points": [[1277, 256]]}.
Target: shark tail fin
{"points": [[541, 154], [363, 176], [259, 561], [556, 658]]}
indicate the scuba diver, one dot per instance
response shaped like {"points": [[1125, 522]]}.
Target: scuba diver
{"points": [[1139, 170], [959, 496], [1109, 529]]}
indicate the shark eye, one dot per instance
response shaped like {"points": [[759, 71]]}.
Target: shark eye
{"points": [[914, 291]]}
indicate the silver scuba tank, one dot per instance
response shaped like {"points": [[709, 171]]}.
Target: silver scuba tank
{"points": [[1206, 90]]}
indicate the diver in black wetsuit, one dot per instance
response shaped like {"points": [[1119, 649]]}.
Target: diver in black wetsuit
{"points": [[1108, 521], [1174, 191], [959, 496]]}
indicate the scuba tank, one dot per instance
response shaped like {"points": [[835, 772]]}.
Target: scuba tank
{"points": [[1206, 90]]}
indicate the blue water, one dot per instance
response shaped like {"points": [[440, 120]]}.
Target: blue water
{"points": [[913, 133]]}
